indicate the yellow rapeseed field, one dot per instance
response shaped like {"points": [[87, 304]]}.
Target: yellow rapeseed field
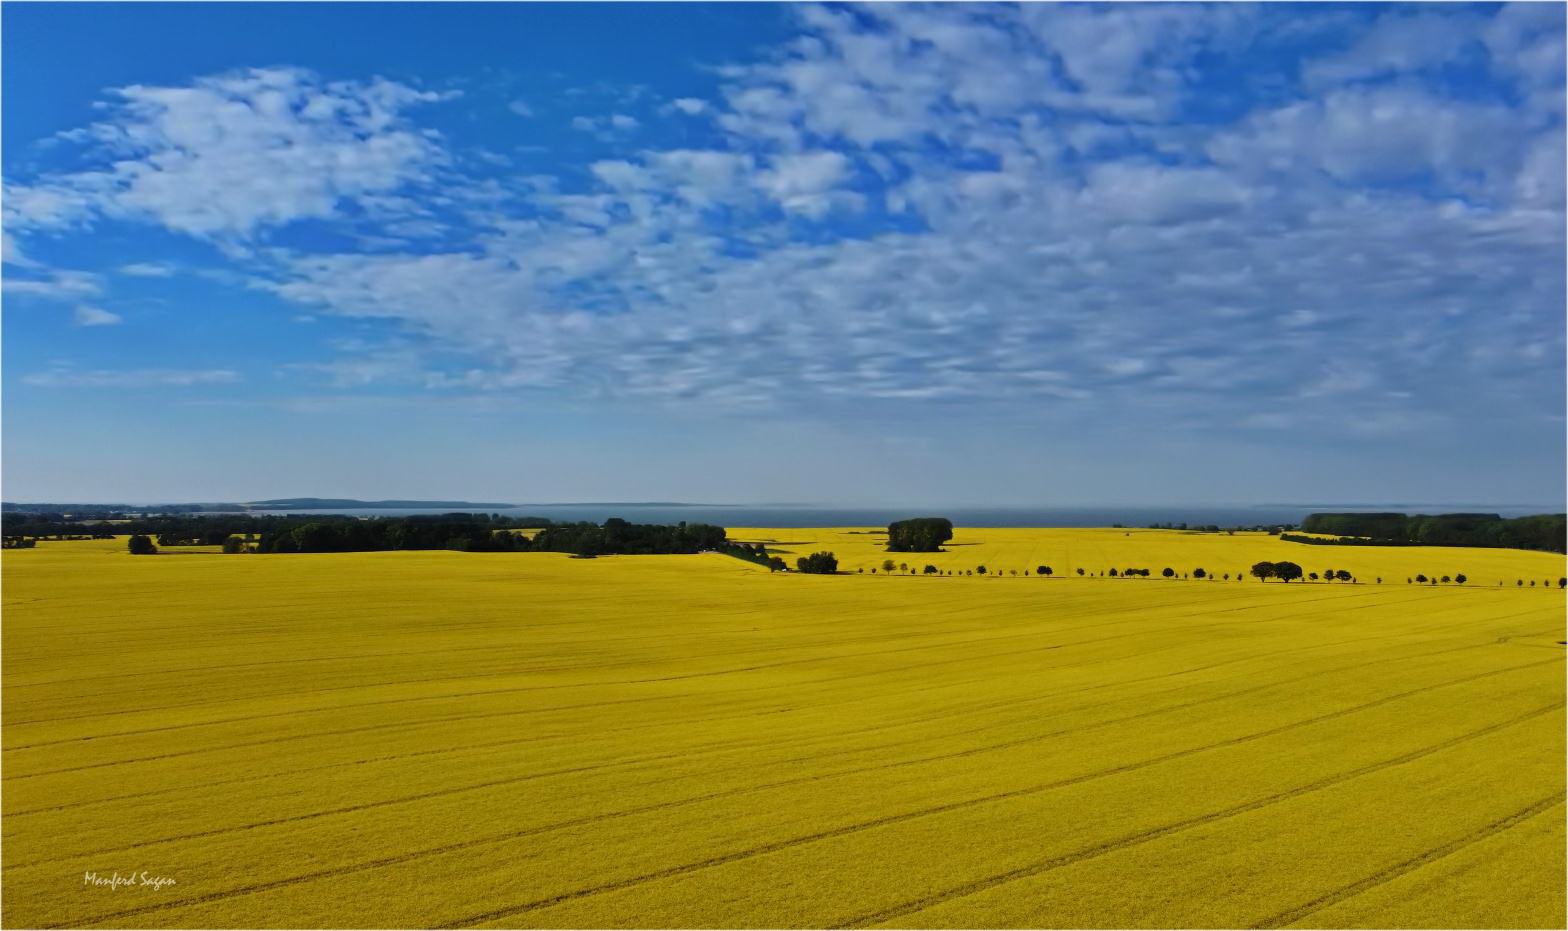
{"points": [[525, 740], [1098, 550]]}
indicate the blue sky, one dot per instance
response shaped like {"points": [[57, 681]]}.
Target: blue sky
{"points": [[882, 255]]}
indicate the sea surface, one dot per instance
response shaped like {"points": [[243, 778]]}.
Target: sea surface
{"points": [[741, 515]]}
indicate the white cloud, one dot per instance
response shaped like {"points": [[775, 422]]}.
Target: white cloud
{"points": [[94, 316], [228, 155], [130, 378], [11, 253], [690, 106], [147, 270], [803, 182], [1151, 193], [606, 128], [57, 284], [1376, 135], [1037, 224], [1397, 43], [1526, 42], [520, 108]]}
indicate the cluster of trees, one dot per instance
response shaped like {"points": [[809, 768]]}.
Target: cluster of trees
{"points": [[617, 536], [753, 552], [817, 564], [1535, 532], [17, 543], [141, 545], [919, 535], [1284, 571]]}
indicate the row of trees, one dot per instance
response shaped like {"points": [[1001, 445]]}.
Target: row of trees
{"points": [[1461, 578]]}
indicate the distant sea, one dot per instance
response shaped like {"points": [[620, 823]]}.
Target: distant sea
{"points": [[742, 515]]}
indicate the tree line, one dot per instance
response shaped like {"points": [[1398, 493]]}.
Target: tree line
{"points": [[463, 532], [1534, 532], [213, 529]]}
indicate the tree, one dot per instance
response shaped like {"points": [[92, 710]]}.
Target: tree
{"points": [[919, 535], [1042, 570], [889, 565], [1460, 578], [1080, 571], [1446, 580], [234, 545], [1344, 575], [1199, 573], [1263, 570], [141, 545], [1562, 583], [930, 569], [818, 564], [903, 567], [1168, 572], [1113, 573], [1421, 578], [1313, 576], [1286, 571], [776, 564]]}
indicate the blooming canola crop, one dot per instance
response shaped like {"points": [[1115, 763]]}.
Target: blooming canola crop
{"points": [[443, 739]]}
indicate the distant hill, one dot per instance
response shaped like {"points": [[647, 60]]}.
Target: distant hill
{"points": [[322, 504], [273, 504]]}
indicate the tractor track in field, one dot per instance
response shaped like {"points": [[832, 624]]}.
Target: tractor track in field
{"points": [[1200, 612], [768, 711], [906, 722], [740, 790], [640, 699], [567, 668], [1142, 837], [880, 637], [1098, 850], [742, 744], [773, 846], [1414, 863], [487, 692]]}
